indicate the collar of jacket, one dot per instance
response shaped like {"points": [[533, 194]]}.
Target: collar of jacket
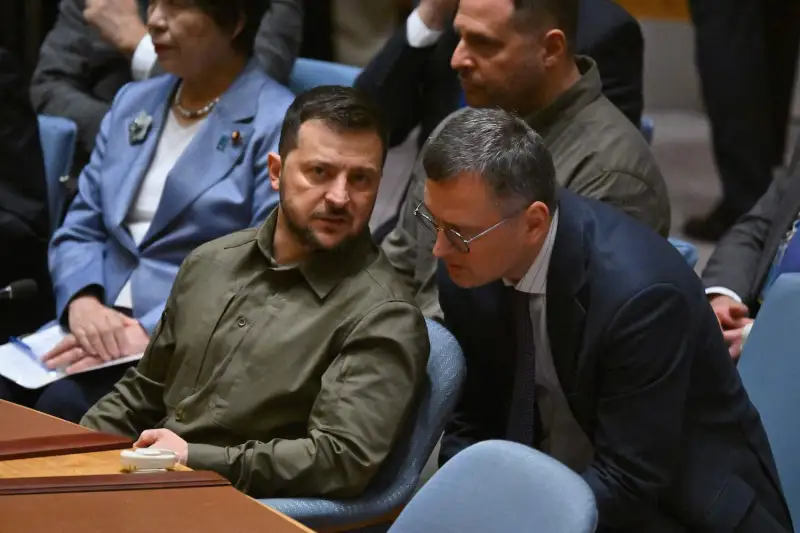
{"points": [[585, 91], [322, 269]]}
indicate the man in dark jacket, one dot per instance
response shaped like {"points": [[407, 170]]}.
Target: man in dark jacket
{"points": [[23, 204]]}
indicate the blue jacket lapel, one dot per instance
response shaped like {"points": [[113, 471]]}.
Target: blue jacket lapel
{"points": [[213, 153], [141, 155]]}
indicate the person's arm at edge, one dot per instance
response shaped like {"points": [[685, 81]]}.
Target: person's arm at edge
{"points": [[732, 267], [61, 84]]}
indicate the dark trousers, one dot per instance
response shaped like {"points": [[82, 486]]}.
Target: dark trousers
{"points": [[23, 255], [68, 398], [747, 58]]}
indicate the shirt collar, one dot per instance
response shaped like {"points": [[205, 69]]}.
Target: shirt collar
{"points": [[322, 269], [586, 90], [535, 279]]}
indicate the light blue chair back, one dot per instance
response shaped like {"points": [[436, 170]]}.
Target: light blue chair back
{"points": [[58, 137], [648, 127], [503, 486], [770, 370], [687, 250], [399, 476], [309, 73]]}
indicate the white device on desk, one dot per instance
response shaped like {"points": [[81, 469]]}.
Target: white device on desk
{"points": [[148, 460]]}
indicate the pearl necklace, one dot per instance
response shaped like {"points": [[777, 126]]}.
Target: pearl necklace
{"points": [[192, 114]]}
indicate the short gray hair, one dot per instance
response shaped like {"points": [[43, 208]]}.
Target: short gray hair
{"points": [[500, 148]]}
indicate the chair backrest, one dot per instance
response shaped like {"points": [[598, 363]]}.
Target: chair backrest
{"points": [[770, 370], [399, 476], [309, 73], [501, 486], [58, 137], [687, 250], [647, 127]]}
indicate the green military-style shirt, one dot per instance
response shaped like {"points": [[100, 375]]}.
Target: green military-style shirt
{"points": [[596, 152], [287, 380]]}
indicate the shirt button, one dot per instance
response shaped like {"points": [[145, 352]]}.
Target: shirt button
{"points": [[179, 415], [241, 322]]}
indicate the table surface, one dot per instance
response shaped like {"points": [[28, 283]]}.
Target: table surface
{"points": [[80, 464], [108, 462]]}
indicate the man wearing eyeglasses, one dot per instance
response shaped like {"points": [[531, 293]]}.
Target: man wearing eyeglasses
{"points": [[588, 337], [521, 57]]}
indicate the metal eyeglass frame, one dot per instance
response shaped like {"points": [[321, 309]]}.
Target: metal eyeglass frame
{"points": [[461, 244]]}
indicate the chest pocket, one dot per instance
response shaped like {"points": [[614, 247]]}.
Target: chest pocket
{"points": [[275, 368]]}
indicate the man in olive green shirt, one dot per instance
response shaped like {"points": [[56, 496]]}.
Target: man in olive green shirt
{"points": [[521, 60], [288, 356]]}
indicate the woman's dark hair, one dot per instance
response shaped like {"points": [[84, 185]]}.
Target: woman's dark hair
{"points": [[226, 14]]}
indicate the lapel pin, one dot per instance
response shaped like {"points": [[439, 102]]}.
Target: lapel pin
{"points": [[236, 137], [139, 128]]}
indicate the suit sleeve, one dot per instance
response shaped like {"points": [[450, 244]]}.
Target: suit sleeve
{"points": [[61, 82], [365, 396], [394, 79], [646, 370], [278, 40], [23, 191], [136, 403], [77, 248], [734, 263], [620, 59]]}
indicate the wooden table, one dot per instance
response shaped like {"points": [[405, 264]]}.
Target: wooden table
{"points": [[81, 464], [237, 512]]}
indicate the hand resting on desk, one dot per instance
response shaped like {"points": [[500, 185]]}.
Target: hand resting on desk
{"points": [[164, 439]]}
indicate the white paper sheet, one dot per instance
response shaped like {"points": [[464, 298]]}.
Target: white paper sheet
{"points": [[20, 367]]}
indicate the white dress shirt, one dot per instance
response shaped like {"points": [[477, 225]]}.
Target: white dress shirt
{"points": [[144, 58], [418, 34], [171, 145], [563, 437]]}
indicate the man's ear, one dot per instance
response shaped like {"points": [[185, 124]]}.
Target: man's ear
{"points": [[555, 47], [537, 218], [274, 164]]}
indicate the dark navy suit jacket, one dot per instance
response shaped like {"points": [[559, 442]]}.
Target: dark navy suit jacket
{"points": [[641, 359]]}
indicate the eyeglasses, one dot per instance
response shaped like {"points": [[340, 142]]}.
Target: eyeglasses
{"points": [[453, 237]]}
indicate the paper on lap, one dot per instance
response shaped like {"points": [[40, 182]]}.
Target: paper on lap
{"points": [[19, 367]]}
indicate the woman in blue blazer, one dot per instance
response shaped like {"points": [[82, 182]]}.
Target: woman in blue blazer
{"points": [[180, 160]]}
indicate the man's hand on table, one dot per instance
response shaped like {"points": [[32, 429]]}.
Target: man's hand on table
{"points": [[164, 439]]}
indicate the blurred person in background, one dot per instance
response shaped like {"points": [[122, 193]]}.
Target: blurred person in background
{"points": [[746, 54], [761, 246], [413, 81], [24, 228], [97, 46], [522, 56], [180, 160]]}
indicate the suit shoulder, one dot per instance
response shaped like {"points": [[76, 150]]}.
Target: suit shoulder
{"points": [[274, 98], [129, 97]]}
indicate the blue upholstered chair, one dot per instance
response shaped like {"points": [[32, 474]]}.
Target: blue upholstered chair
{"points": [[647, 127], [501, 486], [770, 370], [309, 73], [58, 136], [687, 250], [398, 478]]}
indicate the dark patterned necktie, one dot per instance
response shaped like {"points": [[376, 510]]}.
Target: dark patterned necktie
{"points": [[521, 420]]}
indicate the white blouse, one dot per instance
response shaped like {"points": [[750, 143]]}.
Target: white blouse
{"points": [[174, 139]]}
